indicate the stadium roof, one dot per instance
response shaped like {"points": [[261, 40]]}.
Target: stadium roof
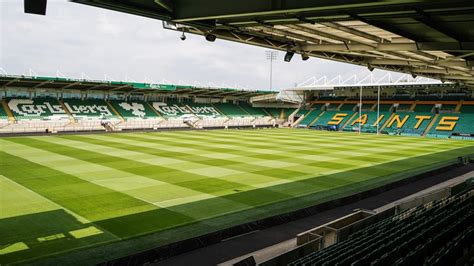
{"points": [[432, 38], [121, 86]]}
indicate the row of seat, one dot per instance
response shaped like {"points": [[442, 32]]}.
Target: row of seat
{"points": [[50, 108], [391, 119], [414, 237]]}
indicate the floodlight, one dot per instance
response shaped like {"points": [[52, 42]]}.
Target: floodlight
{"points": [[288, 56], [37, 7], [210, 37], [304, 56]]}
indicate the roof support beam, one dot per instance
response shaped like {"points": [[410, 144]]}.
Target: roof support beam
{"points": [[416, 63], [165, 4], [42, 83], [191, 10], [429, 21], [70, 85], [10, 82], [355, 32], [120, 87], [412, 47]]}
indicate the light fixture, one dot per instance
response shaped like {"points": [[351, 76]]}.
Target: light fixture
{"points": [[413, 75], [210, 37], [288, 56], [370, 67], [183, 37], [304, 56]]}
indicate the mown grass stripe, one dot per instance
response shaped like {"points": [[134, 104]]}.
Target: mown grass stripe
{"points": [[122, 215]]}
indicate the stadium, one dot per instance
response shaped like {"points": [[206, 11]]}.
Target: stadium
{"points": [[338, 172]]}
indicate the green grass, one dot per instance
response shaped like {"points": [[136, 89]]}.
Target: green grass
{"points": [[61, 195]]}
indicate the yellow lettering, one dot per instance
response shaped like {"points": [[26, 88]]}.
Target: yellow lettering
{"points": [[378, 120], [420, 119], [362, 120], [447, 123], [399, 121], [337, 119]]}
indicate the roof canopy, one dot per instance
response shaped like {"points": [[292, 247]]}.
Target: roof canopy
{"points": [[432, 38], [121, 86]]}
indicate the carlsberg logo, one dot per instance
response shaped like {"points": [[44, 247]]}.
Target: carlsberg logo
{"points": [[26, 107], [178, 110], [88, 109], [137, 108]]}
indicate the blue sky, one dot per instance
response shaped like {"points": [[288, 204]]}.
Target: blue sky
{"points": [[76, 39]]}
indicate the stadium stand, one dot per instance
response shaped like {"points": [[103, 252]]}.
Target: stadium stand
{"points": [[134, 110], [409, 123], [412, 118], [455, 125], [400, 114], [368, 121], [45, 114], [287, 112], [203, 110], [275, 112], [435, 233], [36, 109], [255, 112], [231, 110], [311, 115], [89, 109], [333, 120], [3, 114]]}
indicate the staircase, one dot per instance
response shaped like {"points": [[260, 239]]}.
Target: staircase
{"points": [[71, 117], [109, 127], [11, 117], [115, 111], [428, 128], [348, 121]]}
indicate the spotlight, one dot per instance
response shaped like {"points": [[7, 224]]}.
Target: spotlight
{"points": [[183, 37], [210, 37], [413, 75], [37, 7], [288, 56], [304, 56], [370, 67]]}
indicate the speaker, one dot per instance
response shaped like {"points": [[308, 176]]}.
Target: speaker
{"points": [[37, 7]]}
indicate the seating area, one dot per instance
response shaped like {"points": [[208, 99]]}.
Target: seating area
{"points": [[368, 121], [89, 109], [311, 115], [332, 119], [36, 109], [255, 112], [409, 123], [52, 115], [435, 233], [275, 112], [134, 110], [415, 118], [231, 110], [203, 110], [3, 115]]}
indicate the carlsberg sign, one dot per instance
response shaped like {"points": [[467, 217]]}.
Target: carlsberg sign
{"points": [[179, 110]]}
